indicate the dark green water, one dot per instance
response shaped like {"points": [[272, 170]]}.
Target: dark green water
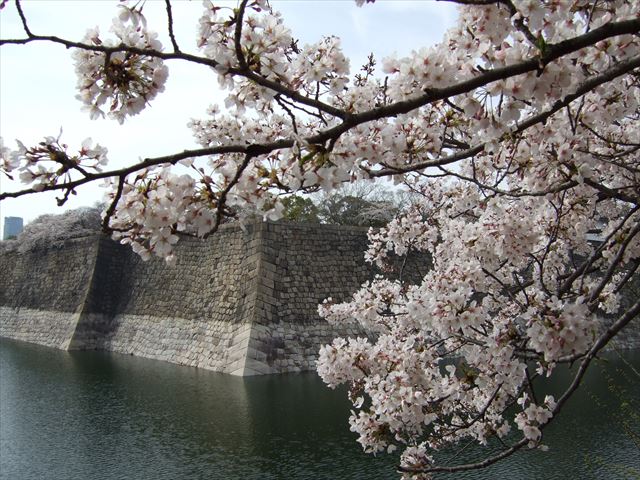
{"points": [[91, 415]]}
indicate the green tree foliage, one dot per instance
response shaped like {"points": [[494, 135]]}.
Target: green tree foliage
{"points": [[300, 209]]}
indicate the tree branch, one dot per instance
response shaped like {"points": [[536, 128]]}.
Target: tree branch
{"points": [[614, 264], [114, 203], [176, 48], [23, 19], [552, 52], [564, 288], [238, 36], [619, 69], [151, 162], [275, 86], [631, 314], [259, 149], [222, 198]]}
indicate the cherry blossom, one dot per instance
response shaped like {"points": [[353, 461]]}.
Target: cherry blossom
{"points": [[120, 81], [517, 134]]}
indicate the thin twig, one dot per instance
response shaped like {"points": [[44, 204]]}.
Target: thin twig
{"points": [[23, 19], [242, 61], [176, 48], [600, 343]]}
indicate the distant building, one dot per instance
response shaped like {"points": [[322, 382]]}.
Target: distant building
{"points": [[12, 227]]}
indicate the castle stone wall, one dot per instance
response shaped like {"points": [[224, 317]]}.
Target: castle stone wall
{"points": [[242, 302], [42, 291]]}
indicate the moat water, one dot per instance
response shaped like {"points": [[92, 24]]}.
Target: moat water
{"points": [[93, 415]]}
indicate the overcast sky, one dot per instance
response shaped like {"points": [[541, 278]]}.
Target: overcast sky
{"points": [[37, 81]]}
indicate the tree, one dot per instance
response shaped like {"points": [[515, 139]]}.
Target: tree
{"points": [[48, 230], [520, 133], [361, 204], [300, 209]]}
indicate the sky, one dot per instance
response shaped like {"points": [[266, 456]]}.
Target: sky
{"points": [[37, 81]]}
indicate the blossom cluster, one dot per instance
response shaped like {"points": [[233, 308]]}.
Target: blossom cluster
{"points": [[533, 417], [268, 49], [519, 135], [151, 213], [121, 82], [504, 232], [49, 163]]}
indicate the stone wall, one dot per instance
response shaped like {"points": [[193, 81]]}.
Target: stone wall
{"points": [[302, 265], [42, 291], [242, 302], [193, 314]]}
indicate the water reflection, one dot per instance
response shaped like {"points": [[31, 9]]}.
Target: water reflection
{"points": [[80, 415]]}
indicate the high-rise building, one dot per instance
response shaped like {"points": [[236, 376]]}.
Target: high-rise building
{"points": [[12, 227]]}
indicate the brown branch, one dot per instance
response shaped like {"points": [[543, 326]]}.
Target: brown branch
{"points": [[152, 162], [23, 19], [172, 36], [628, 275], [594, 256], [607, 192], [484, 409], [259, 149], [608, 140], [470, 466], [275, 86], [631, 314], [223, 195], [505, 288], [508, 193], [112, 206], [618, 70], [519, 23], [242, 61], [300, 108], [284, 106], [552, 52], [149, 52], [614, 264]]}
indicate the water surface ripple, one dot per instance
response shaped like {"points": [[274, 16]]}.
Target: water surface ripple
{"points": [[94, 415]]}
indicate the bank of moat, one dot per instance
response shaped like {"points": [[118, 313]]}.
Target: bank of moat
{"points": [[242, 302]]}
